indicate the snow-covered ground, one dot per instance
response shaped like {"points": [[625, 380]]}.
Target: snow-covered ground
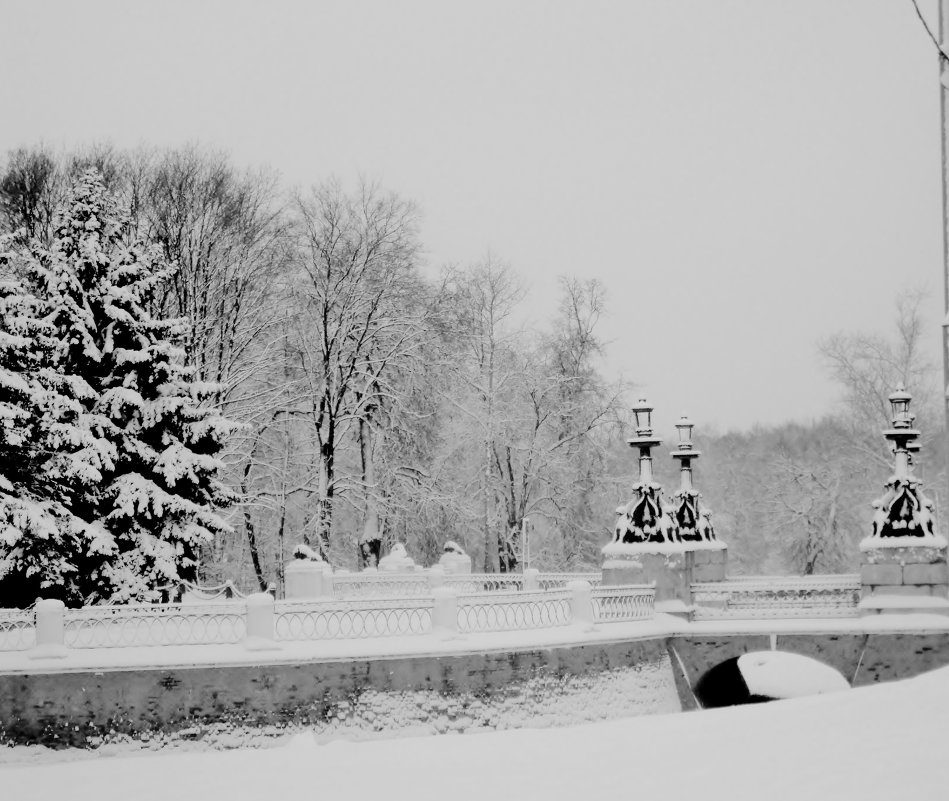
{"points": [[883, 742]]}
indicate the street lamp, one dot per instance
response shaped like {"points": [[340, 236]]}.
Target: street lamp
{"points": [[643, 413]]}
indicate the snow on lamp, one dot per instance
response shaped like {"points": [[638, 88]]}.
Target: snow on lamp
{"points": [[903, 511], [643, 519], [903, 560], [692, 524]]}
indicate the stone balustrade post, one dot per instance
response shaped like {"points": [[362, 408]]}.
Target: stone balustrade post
{"points": [[531, 581], [307, 579], [328, 590], [436, 577], [260, 622], [581, 604], [50, 629], [445, 612]]}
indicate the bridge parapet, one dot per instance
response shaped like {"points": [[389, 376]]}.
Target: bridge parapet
{"points": [[749, 597], [479, 606]]}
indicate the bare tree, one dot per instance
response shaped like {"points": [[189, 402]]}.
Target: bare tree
{"points": [[357, 255], [868, 367], [227, 234], [30, 189], [814, 515]]}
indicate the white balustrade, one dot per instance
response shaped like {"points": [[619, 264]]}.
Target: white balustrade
{"points": [[778, 597], [17, 629], [332, 620], [513, 611], [260, 622], [555, 581], [624, 603], [445, 611], [486, 582], [49, 629], [581, 603], [153, 624], [381, 585], [442, 604]]}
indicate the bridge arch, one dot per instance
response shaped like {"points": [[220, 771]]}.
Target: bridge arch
{"points": [[766, 676]]}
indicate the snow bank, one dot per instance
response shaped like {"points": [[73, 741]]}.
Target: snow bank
{"points": [[779, 674], [883, 742]]}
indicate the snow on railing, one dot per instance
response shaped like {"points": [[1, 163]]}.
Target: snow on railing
{"points": [[460, 603], [17, 632], [556, 581], [154, 624], [380, 585], [777, 597], [623, 603], [510, 611], [468, 583], [413, 584], [334, 620]]}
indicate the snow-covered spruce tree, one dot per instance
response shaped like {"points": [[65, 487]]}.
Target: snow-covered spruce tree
{"points": [[154, 502], [50, 454]]}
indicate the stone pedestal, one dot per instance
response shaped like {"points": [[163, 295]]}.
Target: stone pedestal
{"points": [[710, 564], [397, 561], [455, 563], [304, 578], [671, 571], [904, 579]]}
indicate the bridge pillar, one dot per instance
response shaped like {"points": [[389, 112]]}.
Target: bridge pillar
{"points": [[904, 561], [305, 578]]}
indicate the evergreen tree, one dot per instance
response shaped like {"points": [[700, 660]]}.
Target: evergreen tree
{"points": [[49, 454], [135, 465]]}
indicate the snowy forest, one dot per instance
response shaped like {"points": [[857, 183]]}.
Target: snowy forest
{"points": [[202, 367]]}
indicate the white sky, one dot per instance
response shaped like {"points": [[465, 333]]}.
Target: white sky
{"points": [[744, 176]]}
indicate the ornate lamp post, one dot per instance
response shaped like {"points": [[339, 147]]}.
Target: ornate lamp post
{"points": [[643, 519], [667, 546], [903, 558], [694, 524], [685, 502], [903, 511]]}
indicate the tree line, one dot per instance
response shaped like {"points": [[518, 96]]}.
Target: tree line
{"points": [[374, 400], [374, 403]]}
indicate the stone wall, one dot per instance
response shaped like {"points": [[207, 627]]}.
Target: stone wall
{"points": [[234, 705], [230, 705], [861, 658]]}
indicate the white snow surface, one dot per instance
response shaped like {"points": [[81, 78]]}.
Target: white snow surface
{"points": [[634, 549], [872, 543], [779, 674], [883, 742]]}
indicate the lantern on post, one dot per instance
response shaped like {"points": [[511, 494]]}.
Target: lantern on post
{"points": [[643, 519], [903, 511], [692, 524]]}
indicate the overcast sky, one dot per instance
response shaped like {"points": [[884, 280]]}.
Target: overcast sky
{"points": [[745, 177]]}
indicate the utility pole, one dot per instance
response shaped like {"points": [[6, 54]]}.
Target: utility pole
{"points": [[943, 90]]}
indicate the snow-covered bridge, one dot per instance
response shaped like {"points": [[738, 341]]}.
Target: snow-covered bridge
{"points": [[490, 651], [442, 647]]}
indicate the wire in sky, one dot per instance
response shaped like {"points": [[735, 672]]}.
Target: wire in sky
{"points": [[922, 19]]}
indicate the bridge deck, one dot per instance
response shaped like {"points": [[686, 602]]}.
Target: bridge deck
{"points": [[662, 626]]}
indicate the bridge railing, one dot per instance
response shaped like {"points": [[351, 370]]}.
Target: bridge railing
{"points": [[777, 597], [626, 603], [412, 584], [17, 629], [552, 581], [489, 611], [261, 617], [380, 585], [334, 620], [130, 625]]}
